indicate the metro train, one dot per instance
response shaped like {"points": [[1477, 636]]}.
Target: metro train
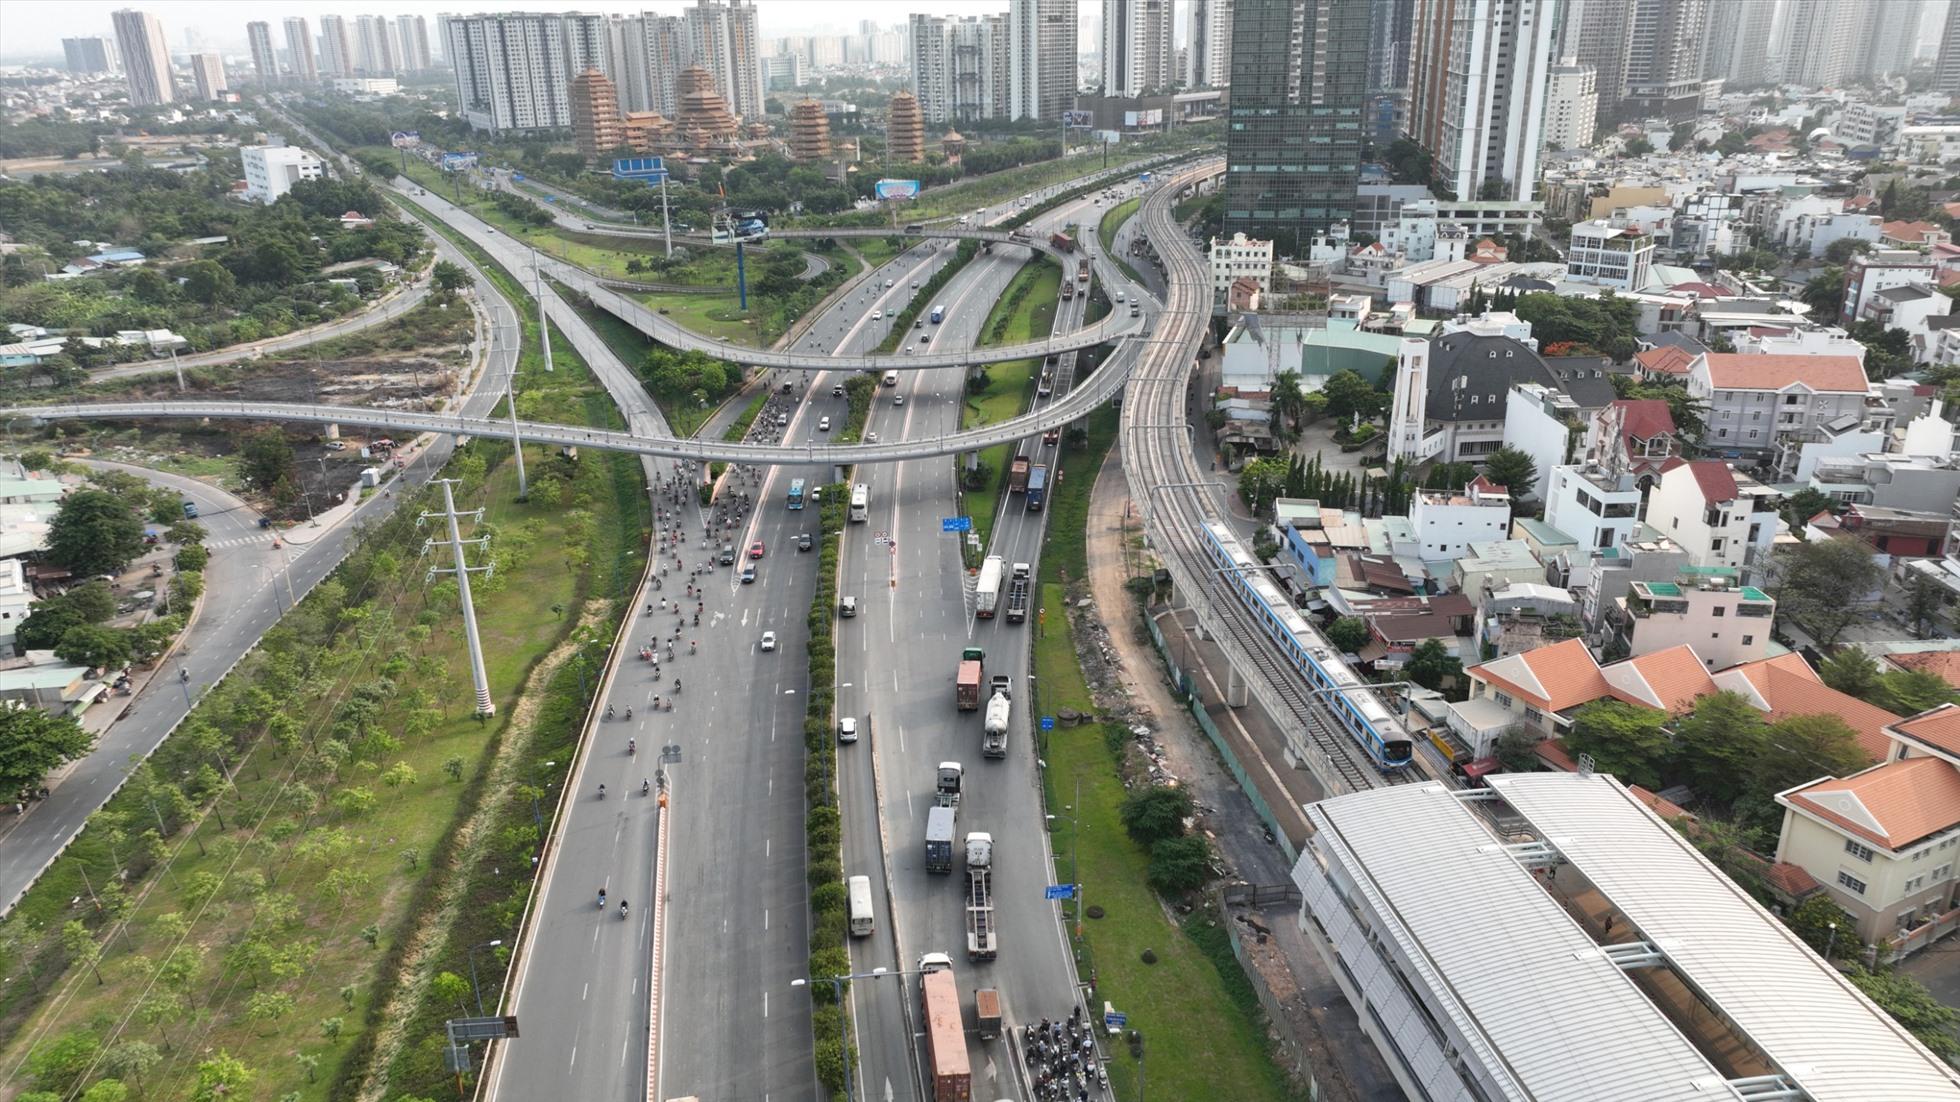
{"points": [[1317, 661]]}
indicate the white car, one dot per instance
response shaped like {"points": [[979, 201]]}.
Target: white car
{"points": [[768, 640], [877, 315], [847, 729], [823, 425], [871, 438], [898, 399]]}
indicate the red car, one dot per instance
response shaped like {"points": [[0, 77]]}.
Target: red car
{"points": [[755, 550]]}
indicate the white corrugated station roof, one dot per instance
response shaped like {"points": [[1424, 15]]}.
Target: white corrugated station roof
{"points": [[1811, 1021]]}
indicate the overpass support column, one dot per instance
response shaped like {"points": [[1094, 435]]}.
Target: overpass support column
{"points": [[1237, 693]]}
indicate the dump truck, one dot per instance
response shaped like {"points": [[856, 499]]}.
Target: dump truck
{"points": [[1068, 291], [994, 742], [982, 938], [986, 595], [947, 792], [1082, 270], [986, 1007], [939, 997], [966, 687], [1017, 474], [1063, 242], [1037, 487], [940, 822]]}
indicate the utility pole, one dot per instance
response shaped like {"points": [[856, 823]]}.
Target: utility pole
{"points": [[537, 292], [462, 570], [666, 226], [517, 441]]}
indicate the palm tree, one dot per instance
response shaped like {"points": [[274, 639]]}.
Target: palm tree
{"points": [[1289, 401]]}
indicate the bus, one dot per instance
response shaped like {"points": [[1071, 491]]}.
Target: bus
{"points": [[860, 503], [938, 314], [796, 493]]}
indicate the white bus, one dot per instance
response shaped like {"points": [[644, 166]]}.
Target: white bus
{"points": [[860, 503], [864, 920]]}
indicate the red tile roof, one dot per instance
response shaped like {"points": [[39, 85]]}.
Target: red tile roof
{"points": [[1943, 664], [1553, 678], [1645, 418], [1792, 880], [1666, 809], [1671, 680], [1938, 728], [1786, 686], [1705, 290], [1743, 371], [1895, 804], [1665, 360], [1716, 480], [1907, 231]]}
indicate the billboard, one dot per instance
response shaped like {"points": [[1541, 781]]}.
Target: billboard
{"points": [[405, 139], [452, 162], [1152, 117], [1078, 120], [640, 168], [896, 189]]}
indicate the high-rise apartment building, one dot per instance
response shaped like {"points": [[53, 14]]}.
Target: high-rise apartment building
{"points": [[265, 62], [649, 52], [1946, 67], [208, 72], [595, 115], [1595, 33], [336, 47], [89, 55], [1293, 137], [1391, 26], [1821, 40], [412, 31], [725, 38], [1738, 43], [514, 70], [299, 50], [1208, 54], [1571, 106], [1477, 93], [1137, 39], [146, 58], [959, 67], [1665, 44], [377, 51], [1890, 41], [1041, 58]]}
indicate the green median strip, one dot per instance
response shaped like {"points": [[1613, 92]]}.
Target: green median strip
{"points": [[1024, 312]]}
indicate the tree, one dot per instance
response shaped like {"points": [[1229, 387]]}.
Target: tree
{"points": [[1349, 394], [1260, 481], [1826, 586], [223, 1078], [1716, 744], [1512, 469], [59, 1067], [94, 646], [268, 1006], [1812, 919], [1179, 865], [1804, 748], [448, 987], [1626, 740], [1850, 671], [33, 743], [1431, 663], [1844, 248], [94, 532], [93, 600], [1909, 692], [207, 281], [449, 277], [81, 947], [1924, 604], [1155, 813], [1516, 750], [1907, 1000], [1824, 294], [1799, 507], [266, 458], [1349, 633], [1289, 401], [131, 1060]]}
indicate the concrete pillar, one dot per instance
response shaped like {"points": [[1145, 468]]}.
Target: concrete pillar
{"points": [[1237, 693]]}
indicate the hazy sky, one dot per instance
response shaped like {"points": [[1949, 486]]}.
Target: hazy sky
{"points": [[31, 29]]}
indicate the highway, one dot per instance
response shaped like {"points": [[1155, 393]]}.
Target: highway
{"points": [[240, 606]]}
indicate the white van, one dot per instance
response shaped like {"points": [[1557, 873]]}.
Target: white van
{"points": [[863, 919], [891, 378]]}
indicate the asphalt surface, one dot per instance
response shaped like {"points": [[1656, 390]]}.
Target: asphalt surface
{"points": [[240, 605]]}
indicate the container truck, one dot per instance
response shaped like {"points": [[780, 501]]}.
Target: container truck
{"points": [[1037, 487], [1017, 474], [939, 838], [994, 742], [986, 1007], [982, 939], [987, 594], [1063, 242], [939, 996], [966, 687]]}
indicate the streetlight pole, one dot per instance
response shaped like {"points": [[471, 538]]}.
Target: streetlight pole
{"points": [[837, 984], [473, 987], [536, 815]]}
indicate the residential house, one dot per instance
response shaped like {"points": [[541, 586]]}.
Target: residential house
{"points": [[1491, 565], [1595, 505], [1890, 534], [1609, 255], [1912, 235], [1726, 623], [1867, 274], [1541, 422], [1754, 400], [1304, 539], [16, 601], [1447, 523], [1719, 516]]}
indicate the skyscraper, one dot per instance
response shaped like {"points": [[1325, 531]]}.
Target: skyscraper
{"points": [[1293, 138], [336, 48], [1208, 60], [1391, 25], [90, 55], [375, 52], [1820, 40], [413, 33], [299, 47], [514, 70], [1665, 43], [1946, 67], [1477, 93], [1040, 58], [725, 39], [209, 72], [265, 63], [1889, 42], [595, 114], [1571, 106], [1137, 37], [1595, 34], [1738, 43], [146, 59], [960, 67], [649, 52]]}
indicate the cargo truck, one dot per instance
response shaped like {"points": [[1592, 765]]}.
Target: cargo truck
{"points": [[982, 939], [994, 742], [986, 1007], [947, 792], [1037, 487], [1068, 291], [1063, 242], [1017, 474], [1017, 600], [966, 687], [986, 595], [1082, 270], [939, 838], [939, 997]]}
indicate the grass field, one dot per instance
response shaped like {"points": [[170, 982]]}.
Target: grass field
{"points": [[1066, 553], [1112, 221], [1025, 311]]}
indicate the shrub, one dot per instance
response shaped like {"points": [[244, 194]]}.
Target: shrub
{"points": [[1153, 814], [1179, 865]]}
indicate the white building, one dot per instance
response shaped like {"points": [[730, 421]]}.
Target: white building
{"points": [[1582, 883], [1719, 516], [1725, 623], [145, 57], [649, 52], [1208, 61], [366, 86], [725, 38], [1137, 46], [1240, 257], [1538, 421], [265, 61], [1597, 507], [1446, 523], [1041, 52], [272, 170], [1879, 270], [1571, 105], [1755, 401], [336, 47], [514, 71], [208, 73], [299, 50], [1478, 71], [1609, 255], [959, 67], [16, 599], [1414, 229]]}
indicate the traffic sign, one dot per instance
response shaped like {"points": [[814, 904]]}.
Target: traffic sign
{"points": [[1060, 891], [1047, 723], [955, 524], [650, 169], [1115, 1019]]}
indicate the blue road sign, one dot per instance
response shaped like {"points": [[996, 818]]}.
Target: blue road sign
{"points": [[1061, 891], [650, 169], [1115, 1019], [1047, 723], [955, 524]]}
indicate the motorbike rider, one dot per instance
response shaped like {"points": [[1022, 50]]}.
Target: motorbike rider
{"points": [[602, 790]]}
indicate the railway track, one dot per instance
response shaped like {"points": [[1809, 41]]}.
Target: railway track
{"points": [[1158, 455]]}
